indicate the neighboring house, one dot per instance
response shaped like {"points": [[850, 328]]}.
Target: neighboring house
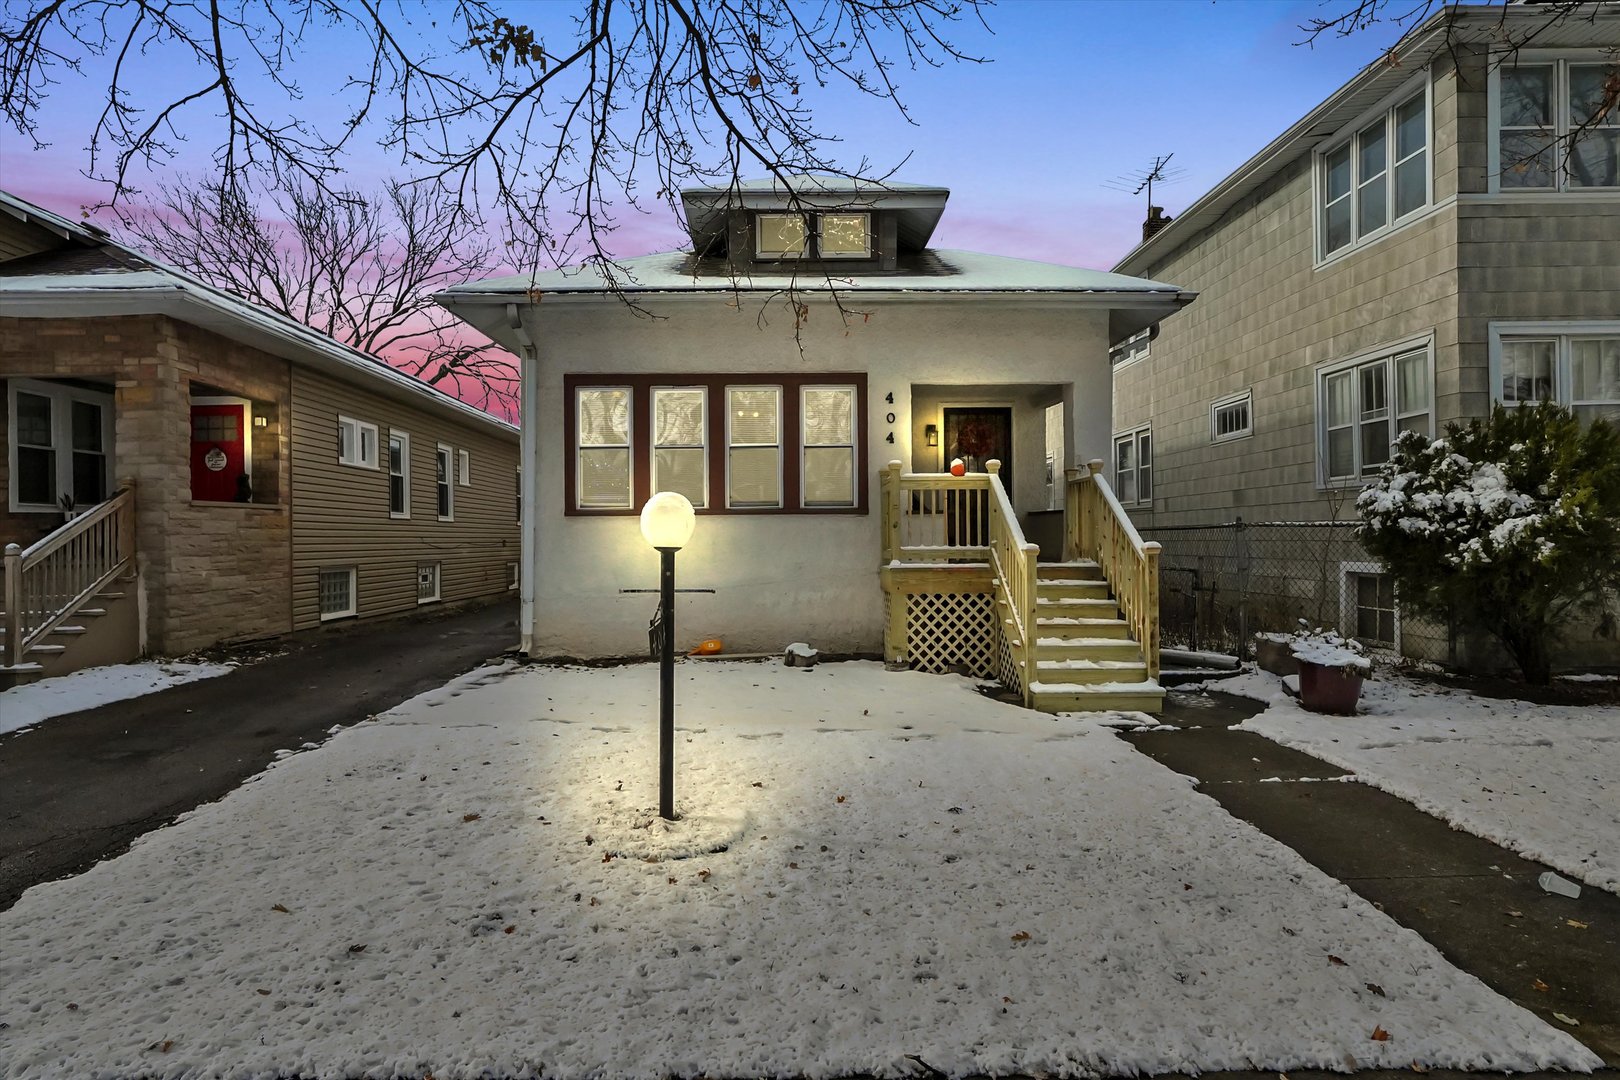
{"points": [[1437, 236], [810, 338], [234, 473]]}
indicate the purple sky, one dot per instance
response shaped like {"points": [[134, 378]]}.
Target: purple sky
{"points": [[1078, 94]]}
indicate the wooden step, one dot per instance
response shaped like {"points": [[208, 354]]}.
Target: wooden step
{"points": [[1071, 627], [49, 650], [1071, 589], [1079, 570], [1099, 648], [109, 596], [69, 630], [1087, 670], [1075, 605], [1142, 696]]}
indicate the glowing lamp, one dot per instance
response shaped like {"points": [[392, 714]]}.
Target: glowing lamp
{"points": [[667, 521]]}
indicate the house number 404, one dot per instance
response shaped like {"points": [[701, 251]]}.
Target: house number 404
{"points": [[889, 397]]}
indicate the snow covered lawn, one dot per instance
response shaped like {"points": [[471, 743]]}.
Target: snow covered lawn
{"points": [[24, 706], [1539, 779], [470, 885]]}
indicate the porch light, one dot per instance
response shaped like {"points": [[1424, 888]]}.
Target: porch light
{"points": [[931, 434], [667, 522]]}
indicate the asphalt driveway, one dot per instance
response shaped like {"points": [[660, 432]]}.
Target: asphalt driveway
{"points": [[78, 789]]}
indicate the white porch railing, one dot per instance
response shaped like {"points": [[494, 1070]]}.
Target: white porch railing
{"points": [[1013, 562], [51, 579], [1098, 529], [934, 517]]}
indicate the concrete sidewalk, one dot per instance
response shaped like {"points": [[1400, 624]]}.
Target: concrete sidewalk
{"points": [[78, 789], [1474, 901]]}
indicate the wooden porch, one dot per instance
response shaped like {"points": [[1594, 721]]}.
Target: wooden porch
{"points": [[965, 592]]}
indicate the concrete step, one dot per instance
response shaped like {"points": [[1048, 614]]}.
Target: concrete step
{"points": [[1071, 627], [1138, 696]]}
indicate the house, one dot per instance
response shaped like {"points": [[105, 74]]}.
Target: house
{"points": [[1440, 234], [805, 375], [229, 472]]}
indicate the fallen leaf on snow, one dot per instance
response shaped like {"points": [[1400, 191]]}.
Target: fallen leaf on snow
{"points": [[703, 875], [1375, 988], [278, 907], [162, 1047], [841, 798], [471, 817], [1022, 935], [1335, 961], [1380, 1035], [758, 784], [357, 948], [263, 993], [508, 929]]}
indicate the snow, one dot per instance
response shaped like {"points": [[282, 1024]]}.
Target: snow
{"points": [[909, 868], [1590, 677], [1537, 779], [26, 705]]}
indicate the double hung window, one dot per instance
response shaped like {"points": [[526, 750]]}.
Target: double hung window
{"points": [[1576, 364], [726, 443], [1376, 178], [1133, 467], [61, 446], [1557, 123], [1364, 405], [442, 467]]}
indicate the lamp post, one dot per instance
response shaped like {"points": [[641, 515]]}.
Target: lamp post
{"points": [[667, 521]]}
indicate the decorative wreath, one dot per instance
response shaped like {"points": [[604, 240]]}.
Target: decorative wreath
{"points": [[973, 438]]}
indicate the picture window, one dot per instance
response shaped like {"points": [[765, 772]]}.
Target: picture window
{"points": [[357, 443]]}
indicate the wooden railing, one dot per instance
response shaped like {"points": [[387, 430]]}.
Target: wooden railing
{"points": [[1097, 528], [54, 577], [934, 517], [1013, 562]]}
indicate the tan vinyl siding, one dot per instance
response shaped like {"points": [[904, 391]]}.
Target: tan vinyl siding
{"points": [[18, 238], [340, 512]]}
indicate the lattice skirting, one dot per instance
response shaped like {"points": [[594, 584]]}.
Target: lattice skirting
{"points": [[1006, 670], [951, 632]]}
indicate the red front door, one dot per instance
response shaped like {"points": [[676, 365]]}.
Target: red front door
{"points": [[218, 453]]}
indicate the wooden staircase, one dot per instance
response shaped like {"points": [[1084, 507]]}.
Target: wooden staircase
{"points": [[1084, 655]]}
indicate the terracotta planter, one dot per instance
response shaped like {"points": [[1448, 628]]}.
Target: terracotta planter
{"points": [[1329, 689]]}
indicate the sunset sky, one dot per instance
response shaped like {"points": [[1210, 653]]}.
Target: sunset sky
{"points": [[1077, 94]]}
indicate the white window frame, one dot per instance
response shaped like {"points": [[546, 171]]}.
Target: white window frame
{"points": [[629, 446], [781, 435], [438, 582], [1135, 436], [760, 252], [1348, 605], [444, 481], [655, 446], [404, 474], [1385, 354], [1559, 60], [854, 449], [1139, 346], [1350, 136], [61, 397], [1246, 399], [359, 459], [354, 592], [463, 468], [511, 577], [1564, 334]]}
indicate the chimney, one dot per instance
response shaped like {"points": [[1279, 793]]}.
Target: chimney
{"points": [[1156, 220]]}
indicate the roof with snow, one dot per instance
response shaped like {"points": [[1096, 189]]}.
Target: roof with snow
{"points": [[916, 207], [96, 275]]}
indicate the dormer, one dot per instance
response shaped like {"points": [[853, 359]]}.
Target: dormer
{"points": [[837, 225]]}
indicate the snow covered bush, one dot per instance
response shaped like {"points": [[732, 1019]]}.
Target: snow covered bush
{"points": [[1509, 525]]}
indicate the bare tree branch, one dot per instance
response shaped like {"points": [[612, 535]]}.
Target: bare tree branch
{"points": [[360, 268]]}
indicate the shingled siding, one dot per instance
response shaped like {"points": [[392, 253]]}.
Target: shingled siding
{"points": [[340, 512]]}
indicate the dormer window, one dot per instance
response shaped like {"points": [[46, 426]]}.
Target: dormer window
{"points": [[833, 236]]}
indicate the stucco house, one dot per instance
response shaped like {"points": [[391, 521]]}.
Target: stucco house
{"points": [[805, 374], [228, 472], [1438, 235]]}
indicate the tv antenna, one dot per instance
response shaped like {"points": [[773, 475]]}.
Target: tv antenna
{"points": [[1160, 172]]}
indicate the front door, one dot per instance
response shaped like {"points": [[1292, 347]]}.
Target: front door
{"points": [[219, 453], [978, 435]]}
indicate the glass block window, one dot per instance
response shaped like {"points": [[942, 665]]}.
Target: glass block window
{"points": [[828, 419], [427, 582], [337, 593]]}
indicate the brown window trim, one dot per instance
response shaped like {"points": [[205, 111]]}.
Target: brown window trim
{"points": [[641, 387]]}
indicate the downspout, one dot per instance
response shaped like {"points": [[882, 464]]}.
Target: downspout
{"points": [[529, 468]]}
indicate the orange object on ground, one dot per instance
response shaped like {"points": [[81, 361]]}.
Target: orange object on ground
{"points": [[707, 647]]}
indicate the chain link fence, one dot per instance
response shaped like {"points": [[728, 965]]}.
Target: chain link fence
{"points": [[1219, 585]]}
